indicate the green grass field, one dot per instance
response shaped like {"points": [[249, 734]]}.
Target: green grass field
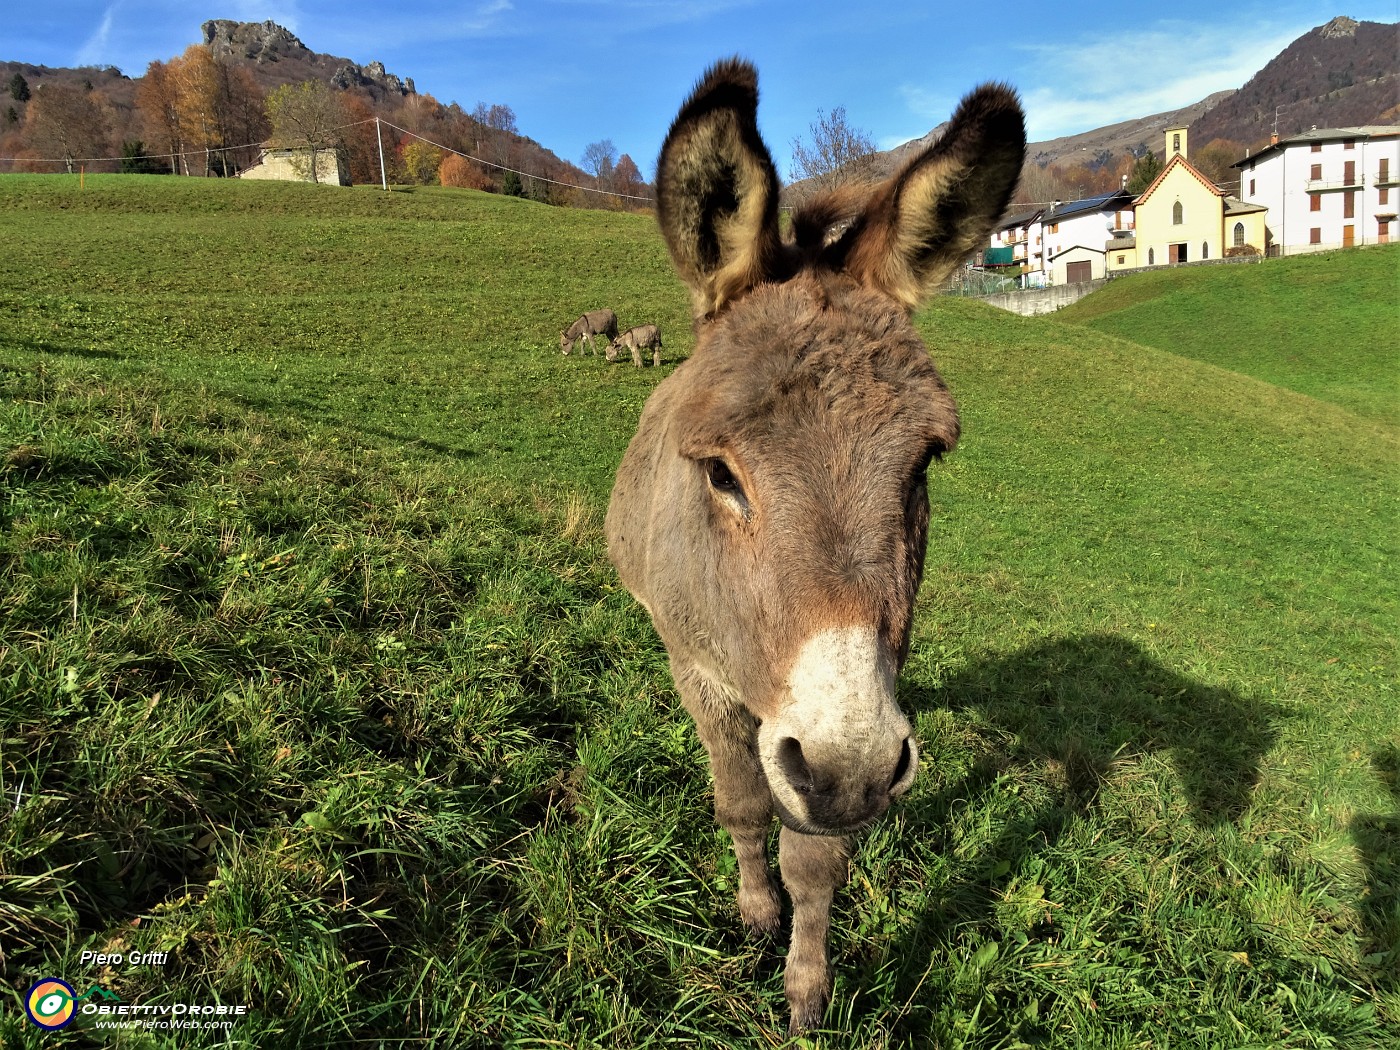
{"points": [[1323, 325], [315, 676]]}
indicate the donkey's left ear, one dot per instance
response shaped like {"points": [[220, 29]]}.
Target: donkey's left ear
{"points": [[920, 225], [717, 190]]}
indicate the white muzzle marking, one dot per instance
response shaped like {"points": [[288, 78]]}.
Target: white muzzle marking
{"points": [[841, 711]]}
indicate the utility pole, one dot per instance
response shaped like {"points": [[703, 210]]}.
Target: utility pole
{"points": [[379, 135]]}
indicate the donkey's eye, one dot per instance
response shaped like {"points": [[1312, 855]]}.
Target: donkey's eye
{"points": [[722, 478]]}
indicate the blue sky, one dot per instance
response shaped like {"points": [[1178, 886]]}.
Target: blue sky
{"points": [[577, 71]]}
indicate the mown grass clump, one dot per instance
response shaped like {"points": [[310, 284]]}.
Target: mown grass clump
{"points": [[314, 674]]}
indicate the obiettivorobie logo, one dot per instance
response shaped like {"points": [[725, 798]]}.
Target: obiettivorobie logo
{"points": [[52, 1004]]}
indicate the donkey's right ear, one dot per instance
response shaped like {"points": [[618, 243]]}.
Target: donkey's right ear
{"points": [[717, 190]]}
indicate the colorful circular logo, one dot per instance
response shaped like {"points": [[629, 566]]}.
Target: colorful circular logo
{"points": [[50, 1003]]}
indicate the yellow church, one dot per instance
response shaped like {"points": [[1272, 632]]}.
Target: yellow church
{"points": [[1182, 217]]}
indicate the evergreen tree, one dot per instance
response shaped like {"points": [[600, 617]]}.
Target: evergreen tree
{"points": [[19, 88], [136, 162], [1147, 168]]}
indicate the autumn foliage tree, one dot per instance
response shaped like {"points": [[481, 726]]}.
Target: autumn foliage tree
{"points": [[199, 103], [1214, 160], [196, 98], [421, 161], [158, 109], [628, 181], [458, 171], [66, 124]]}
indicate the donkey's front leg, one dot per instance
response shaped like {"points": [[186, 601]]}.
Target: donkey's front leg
{"points": [[744, 808], [813, 866]]}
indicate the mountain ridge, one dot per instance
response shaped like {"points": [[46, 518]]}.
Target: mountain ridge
{"points": [[1343, 73]]}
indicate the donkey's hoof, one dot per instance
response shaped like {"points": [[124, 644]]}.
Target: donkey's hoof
{"points": [[808, 991], [806, 1020], [761, 911]]}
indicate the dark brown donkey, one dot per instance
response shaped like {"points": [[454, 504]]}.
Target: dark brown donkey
{"points": [[771, 512]]}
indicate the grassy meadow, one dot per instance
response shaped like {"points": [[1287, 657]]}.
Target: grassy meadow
{"points": [[1265, 321], [314, 673]]}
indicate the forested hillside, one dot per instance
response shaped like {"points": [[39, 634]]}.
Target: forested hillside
{"points": [[204, 112]]}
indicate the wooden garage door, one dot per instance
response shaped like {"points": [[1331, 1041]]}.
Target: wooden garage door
{"points": [[1079, 271]]}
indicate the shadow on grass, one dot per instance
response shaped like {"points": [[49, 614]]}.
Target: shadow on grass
{"points": [[1086, 702], [1069, 710], [1378, 838], [36, 346]]}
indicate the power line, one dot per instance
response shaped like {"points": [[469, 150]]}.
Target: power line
{"points": [[343, 127], [502, 167]]}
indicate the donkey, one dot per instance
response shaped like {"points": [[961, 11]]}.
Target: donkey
{"points": [[770, 513], [595, 322], [642, 337]]}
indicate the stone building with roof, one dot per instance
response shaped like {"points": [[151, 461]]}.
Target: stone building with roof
{"points": [[295, 163]]}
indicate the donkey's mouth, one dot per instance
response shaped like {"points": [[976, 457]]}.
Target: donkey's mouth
{"points": [[824, 823]]}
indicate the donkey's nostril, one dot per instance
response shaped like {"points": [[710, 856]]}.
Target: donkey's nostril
{"points": [[904, 771], [794, 765]]}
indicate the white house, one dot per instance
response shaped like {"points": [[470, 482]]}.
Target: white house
{"points": [[1016, 246], [1089, 224], [1326, 188]]}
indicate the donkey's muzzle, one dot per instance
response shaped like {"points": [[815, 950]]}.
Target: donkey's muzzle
{"points": [[839, 749], [833, 795]]}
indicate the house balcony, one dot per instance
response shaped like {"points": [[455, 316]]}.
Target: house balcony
{"points": [[1323, 186], [1383, 182]]}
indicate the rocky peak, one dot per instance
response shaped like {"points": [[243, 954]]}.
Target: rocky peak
{"points": [[259, 41], [264, 43], [348, 74], [1339, 27]]}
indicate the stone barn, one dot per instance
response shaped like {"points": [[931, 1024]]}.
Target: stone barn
{"points": [[293, 164]]}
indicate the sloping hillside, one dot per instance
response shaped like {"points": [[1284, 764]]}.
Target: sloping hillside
{"points": [[1322, 325]]}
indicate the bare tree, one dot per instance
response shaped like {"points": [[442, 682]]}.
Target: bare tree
{"points": [[599, 159], [242, 114], [837, 154], [496, 132]]}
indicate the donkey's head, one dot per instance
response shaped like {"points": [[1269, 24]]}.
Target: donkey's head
{"points": [[771, 511]]}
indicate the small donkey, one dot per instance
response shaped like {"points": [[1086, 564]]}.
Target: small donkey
{"points": [[642, 337], [771, 512], [595, 322]]}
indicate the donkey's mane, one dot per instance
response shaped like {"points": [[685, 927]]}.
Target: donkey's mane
{"points": [[823, 217]]}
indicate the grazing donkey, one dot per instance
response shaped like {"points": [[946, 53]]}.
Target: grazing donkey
{"points": [[595, 322], [770, 512], [642, 337]]}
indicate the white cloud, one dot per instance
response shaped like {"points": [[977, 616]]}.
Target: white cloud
{"points": [[96, 49], [1082, 84], [1079, 84], [486, 16]]}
